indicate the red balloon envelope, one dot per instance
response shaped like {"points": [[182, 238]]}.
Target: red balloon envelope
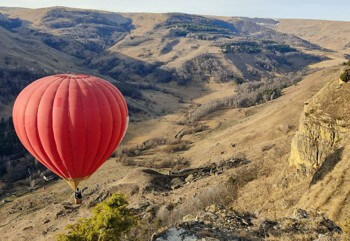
{"points": [[71, 123]]}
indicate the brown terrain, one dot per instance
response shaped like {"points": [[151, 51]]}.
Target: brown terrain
{"points": [[261, 158]]}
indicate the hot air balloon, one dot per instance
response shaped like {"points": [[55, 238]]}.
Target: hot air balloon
{"points": [[71, 123]]}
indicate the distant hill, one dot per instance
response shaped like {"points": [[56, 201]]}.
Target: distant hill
{"points": [[333, 35], [139, 50]]}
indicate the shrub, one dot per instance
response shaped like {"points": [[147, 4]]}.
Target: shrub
{"points": [[345, 76], [110, 220], [347, 63]]}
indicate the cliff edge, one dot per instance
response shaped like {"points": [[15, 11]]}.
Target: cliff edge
{"points": [[324, 126]]}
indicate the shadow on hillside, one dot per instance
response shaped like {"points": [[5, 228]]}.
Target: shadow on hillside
{"points": [[327, 166]]}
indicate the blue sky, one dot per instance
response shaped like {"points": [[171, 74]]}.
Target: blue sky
{"points": [[309, 9]]}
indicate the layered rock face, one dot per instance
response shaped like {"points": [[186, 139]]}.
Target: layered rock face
{"points": [[324, 127]]}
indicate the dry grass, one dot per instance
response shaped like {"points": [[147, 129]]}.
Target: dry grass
{"points": [[328, 34], [296, 237]]}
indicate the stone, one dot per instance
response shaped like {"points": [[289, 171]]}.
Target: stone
{"points": [[189, 178], [142, 206], [300, 213], [189, 218], [28, 228], [212, 208], [60, 214], [176, 183], [150, 209]]}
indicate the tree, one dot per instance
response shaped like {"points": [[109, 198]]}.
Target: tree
{"points": [[110, 220]]}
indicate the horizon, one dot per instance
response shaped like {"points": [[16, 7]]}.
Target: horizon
{"points": [[313, 10]]}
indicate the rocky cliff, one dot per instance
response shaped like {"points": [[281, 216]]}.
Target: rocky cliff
{"points": [[324, 127]]}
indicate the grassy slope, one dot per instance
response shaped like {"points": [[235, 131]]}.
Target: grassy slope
{"points": [[328, 34], [251, 129]]}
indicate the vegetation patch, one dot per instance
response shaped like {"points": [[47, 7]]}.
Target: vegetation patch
{"points": [[241, 47], [9, 142], [253, 47], [197, 24], [205, 68], [91, 31], [190, 130], [247, 94], [169, 46], [162, 144], [9, 23], [176, 163], [135, 41], [345, 75], [142, 154], [136, 150], [15, 78]]}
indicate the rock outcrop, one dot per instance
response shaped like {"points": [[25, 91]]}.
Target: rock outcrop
{"points": [[216, 223], [324, 127]]}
